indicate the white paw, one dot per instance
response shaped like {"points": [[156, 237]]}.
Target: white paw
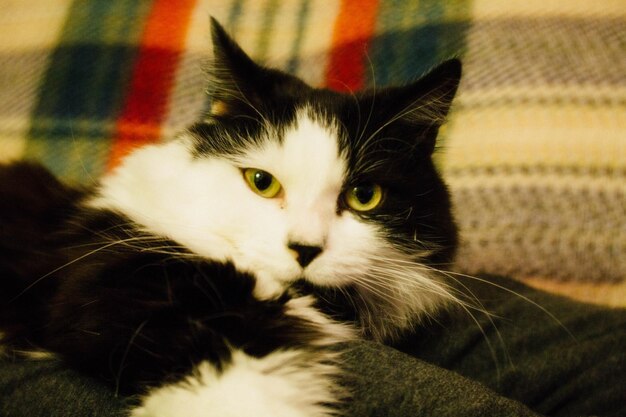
{"points": [[283, 384]]}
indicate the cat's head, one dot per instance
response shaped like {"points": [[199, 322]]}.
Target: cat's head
{"points": [[293, 183]]}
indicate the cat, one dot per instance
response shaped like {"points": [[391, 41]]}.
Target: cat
{"points": [[213, 274]]}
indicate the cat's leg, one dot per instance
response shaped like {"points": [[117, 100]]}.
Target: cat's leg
{"points": [[287, 383]]}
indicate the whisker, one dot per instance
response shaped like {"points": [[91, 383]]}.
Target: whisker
{"points": [[120, 241], [490, 317], [130, 242], [37, 281], [371, 110], [515, 293], [125, 355], [391, 278]]}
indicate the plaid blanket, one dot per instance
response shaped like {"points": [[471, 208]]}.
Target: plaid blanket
{"points": [[535, 151]]}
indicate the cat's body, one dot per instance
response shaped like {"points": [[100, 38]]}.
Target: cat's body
{"points": [[212, 274], [141, 312]]}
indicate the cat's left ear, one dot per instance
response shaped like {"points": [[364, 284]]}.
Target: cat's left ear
{"points": [[421, 107]]}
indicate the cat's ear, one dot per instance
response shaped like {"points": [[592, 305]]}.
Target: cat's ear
{"points": [[421, 107], [230, 72], [238, 85]]}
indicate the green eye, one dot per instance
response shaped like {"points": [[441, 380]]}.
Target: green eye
{"points": [[364, 197], [262, 183]]}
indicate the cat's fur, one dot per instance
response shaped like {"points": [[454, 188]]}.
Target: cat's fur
{"points": [[171, 279]]}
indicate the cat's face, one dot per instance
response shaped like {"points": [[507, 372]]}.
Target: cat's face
{"points": [[292, 183]]}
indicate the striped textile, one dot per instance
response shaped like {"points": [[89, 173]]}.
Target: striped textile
{"points": [[535, 151]]}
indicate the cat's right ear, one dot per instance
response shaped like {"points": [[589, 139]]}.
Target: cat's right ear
{"points": [[238, 86], [229, 72]]}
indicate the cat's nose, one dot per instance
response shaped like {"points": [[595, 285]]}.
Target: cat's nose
{"points": [[304, 253]]}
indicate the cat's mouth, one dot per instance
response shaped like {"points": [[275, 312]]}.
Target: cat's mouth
{"points": [[311, 276], [270, 286]]}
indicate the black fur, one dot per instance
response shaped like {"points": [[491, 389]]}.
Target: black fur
{"points": [[134, 310], [140, 311], [33, 208]]}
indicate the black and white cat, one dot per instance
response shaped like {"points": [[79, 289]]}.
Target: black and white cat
{"points": [[212, 273]]}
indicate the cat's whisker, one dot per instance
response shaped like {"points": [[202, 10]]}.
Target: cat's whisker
{"points": [[492, 323], [370, 285], [118, 376], [490, 347], [371, 109], [77, 259], [347, 297], [387, 277], [216, 298], [475, 303], [407, 274], [357, 103], [411, 273], [125, 242], [102, 247], [81, 225], [510, 291], [369, 317]]}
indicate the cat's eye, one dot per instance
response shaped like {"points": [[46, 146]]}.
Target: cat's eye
{"points": [[364, 197], [261, 182]]}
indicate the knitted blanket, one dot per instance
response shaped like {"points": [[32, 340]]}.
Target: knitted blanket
{"points": [[534, 152]]}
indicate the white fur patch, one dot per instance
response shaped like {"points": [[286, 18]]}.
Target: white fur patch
{"points": [[393, 291], [205, 204], [283, 384], [334, 332], [311, 170]]}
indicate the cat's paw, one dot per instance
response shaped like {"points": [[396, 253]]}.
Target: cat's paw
{"points": [[283, 384]]}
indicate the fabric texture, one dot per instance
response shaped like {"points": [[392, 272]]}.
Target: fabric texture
{"points": [[558, 357], [536, 354], [534, 152]]}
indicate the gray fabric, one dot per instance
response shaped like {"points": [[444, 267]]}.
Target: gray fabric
{"points": [[524, 356], [383, 382], [559, 357], [49, 389], [387, 383]]}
